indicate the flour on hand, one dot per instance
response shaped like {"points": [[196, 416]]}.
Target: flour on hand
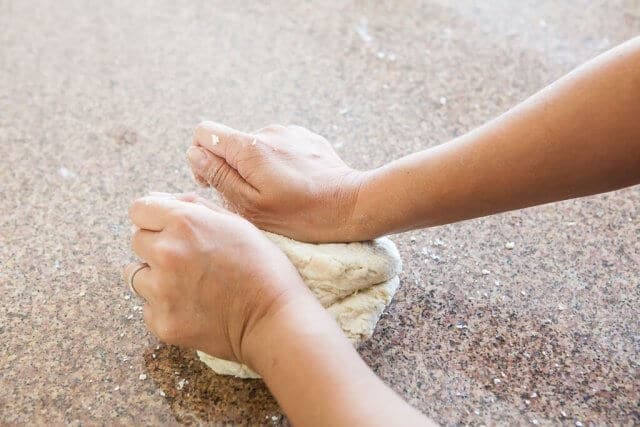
{"points": [[353, 281]]}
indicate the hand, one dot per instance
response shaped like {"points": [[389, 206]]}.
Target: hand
{"points": [[217, 284], [283, 179], [214, 279]]}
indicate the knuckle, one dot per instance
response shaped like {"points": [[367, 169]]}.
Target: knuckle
{"points": [[168, 255], [180, 220], [257, 150]]}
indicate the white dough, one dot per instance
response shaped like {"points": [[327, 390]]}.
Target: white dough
{"points": [[226, 367], [335, 270], [359, 313], [353, 281]]}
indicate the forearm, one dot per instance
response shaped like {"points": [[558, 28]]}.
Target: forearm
{"points": [[577, 137], [319, 379]]}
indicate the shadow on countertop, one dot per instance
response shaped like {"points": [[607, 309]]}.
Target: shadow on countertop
{"points": [[197, 395]]}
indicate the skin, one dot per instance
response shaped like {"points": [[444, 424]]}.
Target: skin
{"points": [[579, 136], [201, 292]]}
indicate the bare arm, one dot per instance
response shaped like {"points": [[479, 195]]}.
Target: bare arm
{"points": [[318, 377], [201, 292], [579, 136]]}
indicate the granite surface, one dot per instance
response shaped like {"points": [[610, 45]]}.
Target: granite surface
{"points": [[97, 105]]}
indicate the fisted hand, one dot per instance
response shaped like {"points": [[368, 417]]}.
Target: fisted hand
{"points": [[213, 277], [283, 179]]}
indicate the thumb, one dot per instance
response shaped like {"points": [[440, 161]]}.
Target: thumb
{"points": [[216, 172]]}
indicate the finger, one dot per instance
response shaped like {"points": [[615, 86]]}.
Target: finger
{"points": [[141, 280], [196, 175], [197, 157], [143, 243], [223, 141], [151, 212], [220, 175], [199, 180], [194, 198]]}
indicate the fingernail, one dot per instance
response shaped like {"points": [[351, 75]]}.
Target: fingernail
{"points": [[197, 157]]}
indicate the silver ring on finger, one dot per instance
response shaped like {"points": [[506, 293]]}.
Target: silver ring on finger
{"points": [[141, 266]]}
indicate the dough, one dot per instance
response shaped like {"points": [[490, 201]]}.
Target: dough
{"points": [[353, 281], [226, 367], [359, 313], [334, 270]]}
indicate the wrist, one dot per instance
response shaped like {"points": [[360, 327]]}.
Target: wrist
{"points": [[315, 373], [344, 206], [367, 212], [298, 315]]}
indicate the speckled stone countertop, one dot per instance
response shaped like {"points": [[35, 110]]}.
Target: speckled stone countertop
{"points": [[97, 105]]}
